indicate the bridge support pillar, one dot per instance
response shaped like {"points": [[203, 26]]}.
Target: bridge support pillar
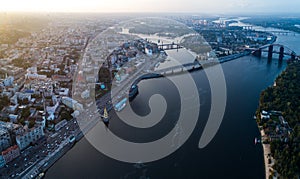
{"points": [[293, 56], [270, 52], [281, 53], [257, 53]]}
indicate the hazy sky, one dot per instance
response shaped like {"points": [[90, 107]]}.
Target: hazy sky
{"points": [[205, 6]]}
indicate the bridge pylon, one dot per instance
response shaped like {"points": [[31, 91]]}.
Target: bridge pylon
{"points": [[281, 53], [257, 53], [270, 52]]}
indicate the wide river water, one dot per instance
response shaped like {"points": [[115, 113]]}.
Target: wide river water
{"points": [[231, 154]]}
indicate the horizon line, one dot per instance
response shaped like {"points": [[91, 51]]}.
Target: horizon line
{"points": [[150, 12]]}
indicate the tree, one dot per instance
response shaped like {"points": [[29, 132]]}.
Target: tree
{"points": [[4, 101], [25, 112]]}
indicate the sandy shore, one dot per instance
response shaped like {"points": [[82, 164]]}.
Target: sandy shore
{"points": [[267, 151]]}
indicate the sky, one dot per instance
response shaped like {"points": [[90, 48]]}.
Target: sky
{"points": [[200, 6]]}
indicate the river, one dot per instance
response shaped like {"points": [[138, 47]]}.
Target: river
{"points": [[231, 154]]}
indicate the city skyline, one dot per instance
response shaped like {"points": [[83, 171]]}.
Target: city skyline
{"points": [[203, 6]]}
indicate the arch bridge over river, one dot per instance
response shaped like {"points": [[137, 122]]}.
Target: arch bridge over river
{"points": [[196, 65], [275, 49]]}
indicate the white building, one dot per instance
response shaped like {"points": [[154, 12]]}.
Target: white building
{"points": [[264, 115], [32, 70], [41, 122], [51, 110], [12, 108], [71, 103], [31, 135], [14, 99], [64, 91], [22, 96], [8, 81], [32, 74], [13, 118]]}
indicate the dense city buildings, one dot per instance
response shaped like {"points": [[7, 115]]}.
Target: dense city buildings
{"points": [[51, 77], [36, 76]]}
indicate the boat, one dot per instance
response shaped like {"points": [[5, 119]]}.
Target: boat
{"points": [[120, 105], [41, 175], [133, 92], [105, 117], [256, 140], [71, 139]]}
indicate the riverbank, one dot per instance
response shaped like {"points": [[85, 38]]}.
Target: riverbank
{"points": [[267, 155], [279, 127]]}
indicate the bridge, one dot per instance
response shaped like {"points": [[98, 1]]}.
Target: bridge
{"points": [[192, 66], [196, 65], [276, 32], [247, 27], [269, 48], [169, 46], [275, 49], [280, 32]]}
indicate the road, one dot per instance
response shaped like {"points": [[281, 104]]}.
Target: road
{"points": [[26, 163]]}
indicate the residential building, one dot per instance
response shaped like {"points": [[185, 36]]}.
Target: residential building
{"points": [[5, 140], [2, 161], [11, 153], [71, 103], [8, 81], [29, 136]]}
